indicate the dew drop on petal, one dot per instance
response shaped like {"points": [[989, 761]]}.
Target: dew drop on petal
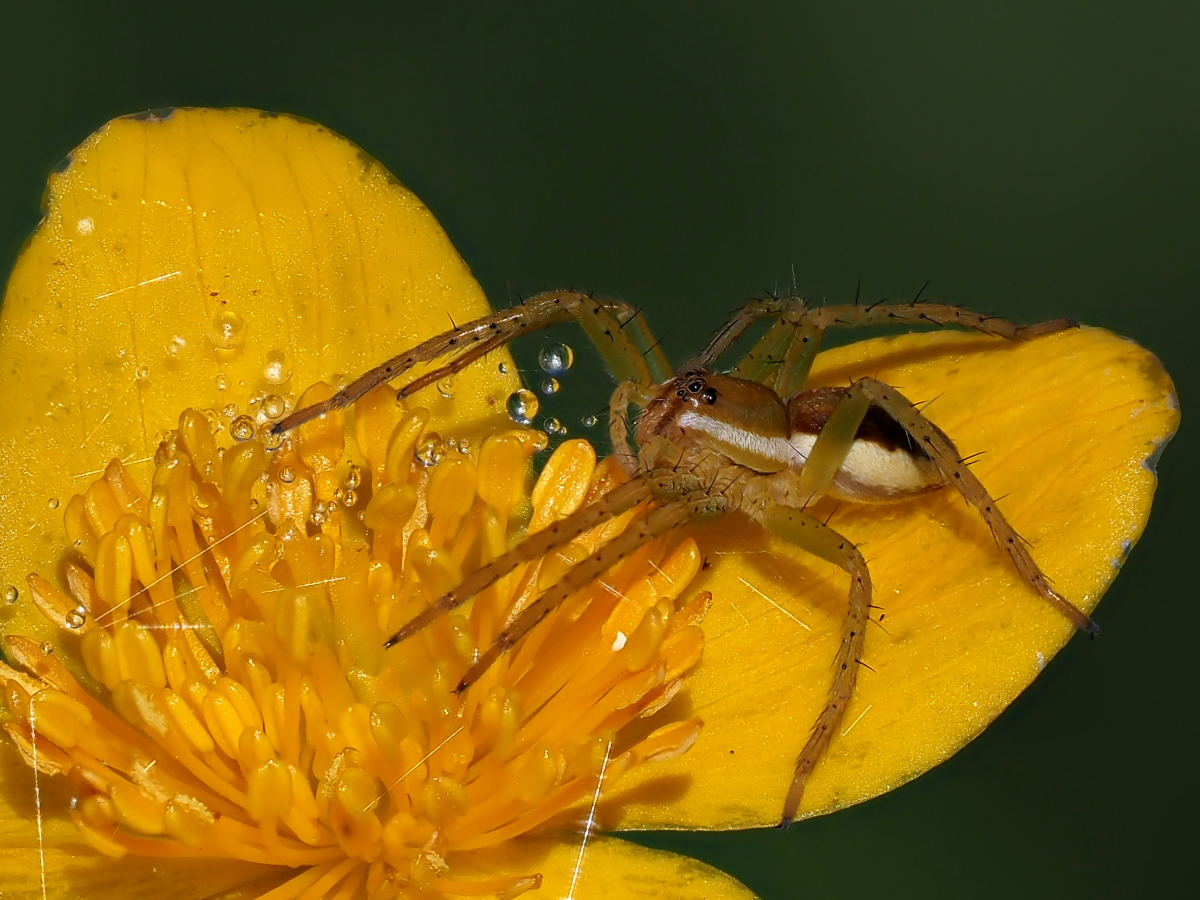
{"points": [[176, 346], [222, 382], [350, 498], [52, 503], [11, 594], [85, 226], [353, 477], [273, 406], [556, 359], [271, 439], [142, 373], [278, 367], [503, 368], [47, 648], [522, 406], [230, 410], [228, 330], [446, 387], [464, 446], [242, 428]]}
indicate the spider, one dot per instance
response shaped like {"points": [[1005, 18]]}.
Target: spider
{"points": [[708, 443]]}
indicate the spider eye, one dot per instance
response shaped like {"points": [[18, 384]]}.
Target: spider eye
{"points": [[681, 393], [695, 386], [710, 396]]}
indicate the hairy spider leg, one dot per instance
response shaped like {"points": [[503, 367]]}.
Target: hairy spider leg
{"points": [[627, 392], [657, 485], [815, 537], [781, 358], [603, 320], [691, 507], [796, 311], [830, 449]]}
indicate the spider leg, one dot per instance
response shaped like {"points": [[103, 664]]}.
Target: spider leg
{"points": [[812, 323], [660, 485], [829, 453], [690, 507], [601, 319], [627, 392], [819, 539]]}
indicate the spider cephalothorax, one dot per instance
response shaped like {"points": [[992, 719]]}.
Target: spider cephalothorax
{"points": [[753, 441]]}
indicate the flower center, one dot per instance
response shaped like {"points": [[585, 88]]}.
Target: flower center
{"points": [[236, 700]]}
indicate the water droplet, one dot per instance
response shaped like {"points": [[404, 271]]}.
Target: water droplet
{"points": [[242, 428], [142, 373], [541, 440], [11, 594], [222, 382], [271, 439], [287, 474], [176, 346], [552, 425], [228, 330], [503, 368], [350, 498], [230, 410], [253, 503], [273, 406], [431, 450], [75, 619], [446, 387], [52, 503], [550, 386], [278, 367], [320, 514], [464, 446], [522, 406], [555, 359], [353, 477], [451, 443], [589, 421], [47, 648], [85, 226]]}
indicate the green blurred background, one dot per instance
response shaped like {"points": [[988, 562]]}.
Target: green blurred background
{"points": [[1031, 159]]}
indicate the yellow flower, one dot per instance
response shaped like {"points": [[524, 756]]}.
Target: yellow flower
{"points": [[216, 258]]}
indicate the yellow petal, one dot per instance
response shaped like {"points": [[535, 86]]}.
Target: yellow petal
{"points": [[1070, 426], [607, 869], [73, 869], [208, 249]]}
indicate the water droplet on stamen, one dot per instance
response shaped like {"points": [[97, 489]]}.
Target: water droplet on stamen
{"points": [[228, 330], [431, 450], [503, 368], [350, 498], [242, 428], [353, 477], [287, 474], [522, 406], [556, 359], [222, 382], [142, 373], [75, 619], [47, 648], [589, 421], [550, 386], [11, 594], [464, 446], [278, 367]]}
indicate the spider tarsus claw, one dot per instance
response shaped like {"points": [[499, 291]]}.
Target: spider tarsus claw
{"points": [[786, 822]]}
